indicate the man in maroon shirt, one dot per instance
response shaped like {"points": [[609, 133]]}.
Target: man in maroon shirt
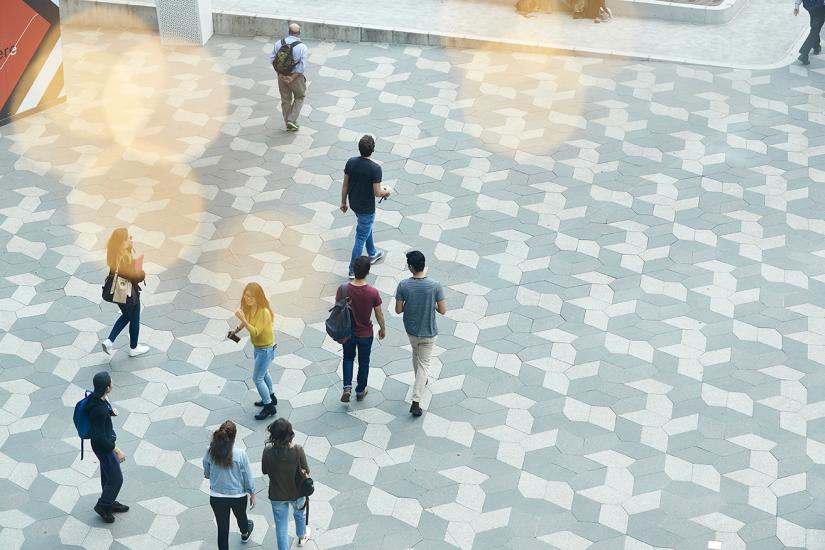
{"points": [[364, 300]]}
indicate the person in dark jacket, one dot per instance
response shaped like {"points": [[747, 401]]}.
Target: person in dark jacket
{"points": [[816, 11], [280, 462], [103, 438], [119, 258]]}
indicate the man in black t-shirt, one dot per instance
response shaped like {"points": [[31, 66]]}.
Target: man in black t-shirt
{"points": [[362, 183]]}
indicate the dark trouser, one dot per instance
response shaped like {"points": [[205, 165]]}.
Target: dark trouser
{"points": [[221, 506], [129, 313], [111, 478], [363, 347], [812, 42]]}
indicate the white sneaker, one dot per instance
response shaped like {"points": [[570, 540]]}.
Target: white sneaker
{"points": [[140, 350], [305, 539], [378, 255], [107, 346]]}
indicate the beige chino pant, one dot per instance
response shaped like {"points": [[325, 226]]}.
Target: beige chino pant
{"points": [[292, 89], [422, 351]]}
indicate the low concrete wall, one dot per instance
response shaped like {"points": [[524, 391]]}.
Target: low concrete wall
{"points": [[676, 11], [652, 9], [133, 14], [106, 13], [138, 14]]}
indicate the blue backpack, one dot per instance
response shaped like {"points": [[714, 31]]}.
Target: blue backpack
{"points": [[339, 323], [81, 418]]}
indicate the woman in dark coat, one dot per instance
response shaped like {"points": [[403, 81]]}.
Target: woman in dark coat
{"points": [[280, 462]]}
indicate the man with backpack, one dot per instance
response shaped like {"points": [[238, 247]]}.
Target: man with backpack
{"points": [[289, 60], [816, 10], [363, 301], [99, 417]]}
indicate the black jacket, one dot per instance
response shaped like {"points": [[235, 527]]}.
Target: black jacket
{"points": [[101, 432]]}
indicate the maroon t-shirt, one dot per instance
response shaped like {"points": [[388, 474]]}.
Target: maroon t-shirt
{"points": [[362, 301]]}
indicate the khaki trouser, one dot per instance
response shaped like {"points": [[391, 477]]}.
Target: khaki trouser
{"points": [[422, 351], [293, 88]]}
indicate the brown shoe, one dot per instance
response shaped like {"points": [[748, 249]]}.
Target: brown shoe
{"points": [[346, 395], [361, 396]]}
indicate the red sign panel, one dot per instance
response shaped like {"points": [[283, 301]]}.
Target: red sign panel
{"points": [[31, 64]]}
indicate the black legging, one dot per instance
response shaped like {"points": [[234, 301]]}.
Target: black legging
{"points": [[221, 506]]}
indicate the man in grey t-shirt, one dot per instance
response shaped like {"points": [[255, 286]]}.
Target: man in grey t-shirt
{"points": [[418, 298]]}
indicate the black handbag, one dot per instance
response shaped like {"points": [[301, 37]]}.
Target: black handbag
{"points": [[117, 289], [303, 482], [108, 296]]}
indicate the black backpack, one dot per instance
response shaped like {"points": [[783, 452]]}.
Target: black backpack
{"points": [[339, 322], [284, 62]]}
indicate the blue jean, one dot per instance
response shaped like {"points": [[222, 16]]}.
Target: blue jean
{"points": [[129, 314], [260, 373], [363, 346], [363, 235], [280, 510]]}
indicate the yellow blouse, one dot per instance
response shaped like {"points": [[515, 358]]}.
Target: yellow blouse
{"points": [[259, 325]]}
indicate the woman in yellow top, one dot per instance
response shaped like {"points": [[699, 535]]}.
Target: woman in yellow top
{"points": [[256, 317]]}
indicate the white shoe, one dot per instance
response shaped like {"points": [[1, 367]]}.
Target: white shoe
{"points": [[107, 346], [303, 540], [140, 350]]}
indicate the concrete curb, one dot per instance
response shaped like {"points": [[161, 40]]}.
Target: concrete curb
{"points": [[133, 14], [678, 11]]}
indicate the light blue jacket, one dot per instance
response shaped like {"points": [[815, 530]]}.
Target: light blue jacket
{"points": [[235, 480]]}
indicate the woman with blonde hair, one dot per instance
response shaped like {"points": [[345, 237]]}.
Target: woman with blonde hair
{"points": [[230, 481], [256, 317], [119, 258]]}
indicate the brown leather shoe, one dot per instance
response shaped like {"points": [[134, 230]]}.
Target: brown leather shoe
{"points": [[346, 395], [361, 396]]}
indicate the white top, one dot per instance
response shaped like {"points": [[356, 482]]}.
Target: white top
{"points": [[221, 495]]}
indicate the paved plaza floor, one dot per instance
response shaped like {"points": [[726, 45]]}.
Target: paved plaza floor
{"points": [[633, 260]]}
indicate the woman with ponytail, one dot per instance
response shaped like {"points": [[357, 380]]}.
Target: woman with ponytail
{"points": [[230, 481]]}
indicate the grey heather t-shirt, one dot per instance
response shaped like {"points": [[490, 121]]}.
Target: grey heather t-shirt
{"points": [[419, 297]]}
